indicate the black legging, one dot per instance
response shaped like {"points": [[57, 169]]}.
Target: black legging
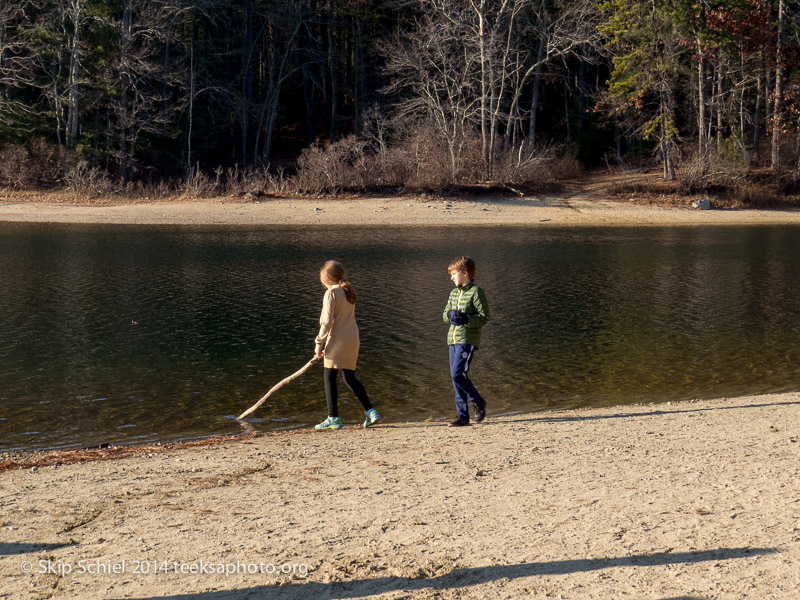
{"points": [[332, 389]]}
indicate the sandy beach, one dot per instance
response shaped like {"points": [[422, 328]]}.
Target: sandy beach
{"points": [[694, 500], [579, 204]]}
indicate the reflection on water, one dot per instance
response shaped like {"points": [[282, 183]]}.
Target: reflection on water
{"points": [[124, 334]]}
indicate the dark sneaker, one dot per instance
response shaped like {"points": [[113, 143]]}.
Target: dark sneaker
{"points": [[480, 415], [457, 423]]}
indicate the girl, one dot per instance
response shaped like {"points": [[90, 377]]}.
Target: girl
{"points": [[338, 342]]}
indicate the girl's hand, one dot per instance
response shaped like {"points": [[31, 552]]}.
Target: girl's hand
{"points": [[319, 354]]}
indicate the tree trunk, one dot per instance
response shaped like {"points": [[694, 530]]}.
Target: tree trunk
{"points": [[279, 53], [537, 79], [76, 16], [359, 78], [667, 145], [307, 47], [124, 85], [567, 120], [191, 105], [483, 100], [581, 86], [332, 68], [796, 174], [757, 121], [777, 119], [719, 108], [702, 105], [6, 86], [247, 82]]}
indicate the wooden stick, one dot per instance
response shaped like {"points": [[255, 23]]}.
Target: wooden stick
{"points": [[278, 385]]}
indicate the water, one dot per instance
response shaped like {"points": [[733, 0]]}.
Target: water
{"points": [[139, 334]]}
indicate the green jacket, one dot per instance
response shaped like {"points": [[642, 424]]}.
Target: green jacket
{"points": [[470, 300]]}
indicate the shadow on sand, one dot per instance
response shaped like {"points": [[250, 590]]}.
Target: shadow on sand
{"points": [[547, 418], [459, 578], [12, 549]]}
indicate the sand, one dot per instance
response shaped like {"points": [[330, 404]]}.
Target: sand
{"points": [[687, 501], [693, 500], [578, 205]]}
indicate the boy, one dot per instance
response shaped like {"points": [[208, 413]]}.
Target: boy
{"points": [[467, 311]]}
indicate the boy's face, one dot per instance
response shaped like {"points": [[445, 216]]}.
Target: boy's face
{"points": [[459, 278]]}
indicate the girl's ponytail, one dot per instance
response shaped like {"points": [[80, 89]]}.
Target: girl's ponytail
{"points": [[349, 292]]}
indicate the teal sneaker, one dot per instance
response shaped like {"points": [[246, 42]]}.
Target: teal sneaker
{"points": [[371, 417], [330, 423]]}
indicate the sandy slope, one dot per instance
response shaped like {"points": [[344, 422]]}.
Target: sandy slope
{"points": [[695, 500]]}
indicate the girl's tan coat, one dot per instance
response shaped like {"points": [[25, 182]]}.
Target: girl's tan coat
{"points": [[338, 332]]}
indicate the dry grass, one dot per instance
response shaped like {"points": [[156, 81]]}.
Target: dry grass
{"points": [[642, 186], [756, 190]]}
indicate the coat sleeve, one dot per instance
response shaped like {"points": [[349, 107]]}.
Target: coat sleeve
{"points": [[481, 305], [446, 310], [325, 321]]}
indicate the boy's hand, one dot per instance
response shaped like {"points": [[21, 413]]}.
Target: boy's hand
{"points": [[457, 317]]}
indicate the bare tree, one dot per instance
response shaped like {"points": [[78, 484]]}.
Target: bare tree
{"points": [[143, 78], [492, 31], [59, 50], [283, 22], [467, 63], [16, 63], [197, 63], [780, 75], [435, 77], [563, 28], [74, 11]]}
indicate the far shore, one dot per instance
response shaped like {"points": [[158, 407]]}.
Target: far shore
{"points": [[578, 206], [687, 500]]}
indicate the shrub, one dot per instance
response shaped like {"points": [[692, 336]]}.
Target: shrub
{"points": [[14, 164], [545, 165], [714, 172], [83, 179], [200, 185], [332, 168], [49, 162], [36, 164]]}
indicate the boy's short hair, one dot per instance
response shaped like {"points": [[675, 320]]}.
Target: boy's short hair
{"points": [[463, 263]]}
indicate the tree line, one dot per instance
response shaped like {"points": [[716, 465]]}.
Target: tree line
{"points": [[326, 95]]}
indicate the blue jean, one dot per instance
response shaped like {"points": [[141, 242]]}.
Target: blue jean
{"points": [[460, 359]]}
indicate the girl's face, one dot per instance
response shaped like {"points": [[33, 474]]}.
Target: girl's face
{"points": [[459, 278]]}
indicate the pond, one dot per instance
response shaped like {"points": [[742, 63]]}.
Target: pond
{"points": [[120, 334]]}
